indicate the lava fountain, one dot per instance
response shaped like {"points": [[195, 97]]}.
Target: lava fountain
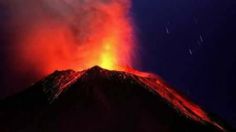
{"points": [[78, 35]]}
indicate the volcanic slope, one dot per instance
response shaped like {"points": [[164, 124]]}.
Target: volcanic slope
{"points": [[99, 100]]}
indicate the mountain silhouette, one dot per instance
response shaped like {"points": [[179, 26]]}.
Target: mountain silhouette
{"points": [[100, 100]]}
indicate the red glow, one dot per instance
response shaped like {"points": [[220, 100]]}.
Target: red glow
{"points": [[101, 37], [178, 101]]}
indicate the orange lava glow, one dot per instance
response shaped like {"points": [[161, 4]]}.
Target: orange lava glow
{"points": [[176, 99], [100, 33]]}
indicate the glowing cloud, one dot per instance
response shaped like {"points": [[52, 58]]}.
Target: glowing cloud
{"points": [[76, 34]]}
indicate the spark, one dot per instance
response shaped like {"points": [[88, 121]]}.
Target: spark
{"points": [[167, 30], [201, 38], [190, 51]]}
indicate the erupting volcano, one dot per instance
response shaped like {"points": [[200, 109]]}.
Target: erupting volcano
{"points": [[109, 97], [102, 100]]}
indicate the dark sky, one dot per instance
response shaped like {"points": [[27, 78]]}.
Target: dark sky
{"points": [[192, 45]]}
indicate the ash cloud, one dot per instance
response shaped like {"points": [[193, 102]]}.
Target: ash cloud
{"points": [[38, 37]]}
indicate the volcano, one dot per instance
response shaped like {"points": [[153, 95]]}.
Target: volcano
{"points": [[100, 100]]}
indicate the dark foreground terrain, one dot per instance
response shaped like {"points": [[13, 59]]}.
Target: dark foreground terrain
{"points": [[98, 100]]}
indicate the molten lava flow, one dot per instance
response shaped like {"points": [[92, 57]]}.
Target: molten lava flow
{"points": [[184, 105], [80, 35]]}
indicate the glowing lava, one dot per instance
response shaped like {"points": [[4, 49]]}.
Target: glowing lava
{"points": [[82, 34]]}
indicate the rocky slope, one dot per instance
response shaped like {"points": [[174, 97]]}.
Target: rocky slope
{"points": [[99, 100]]}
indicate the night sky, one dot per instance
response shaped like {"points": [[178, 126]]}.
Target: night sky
{"points": [[190, 43]]}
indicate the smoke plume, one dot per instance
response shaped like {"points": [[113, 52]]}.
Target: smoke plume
{"points": [[48, 35]]}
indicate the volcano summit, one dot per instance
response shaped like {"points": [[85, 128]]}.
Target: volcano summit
{"points": [[99, 100]]}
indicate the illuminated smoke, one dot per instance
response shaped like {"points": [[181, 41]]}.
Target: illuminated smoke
{"points": [[72, 34]]}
